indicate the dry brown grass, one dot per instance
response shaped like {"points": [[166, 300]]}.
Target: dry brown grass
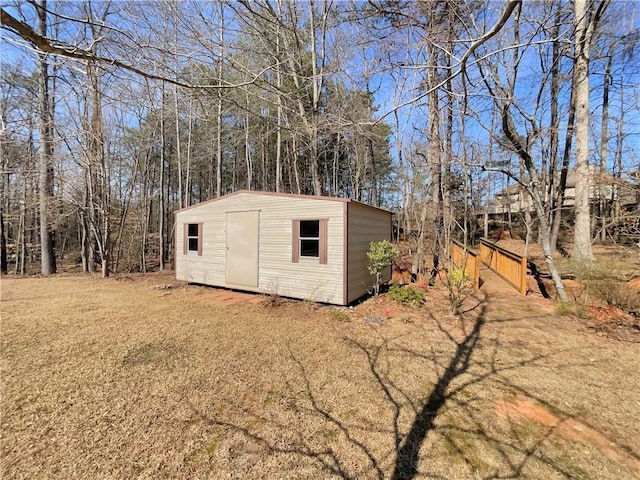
{"points": [[125, 378]]}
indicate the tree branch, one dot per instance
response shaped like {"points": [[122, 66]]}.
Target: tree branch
{"points": [[462, 64], [513, 137], [491, 33], [52, 47]]}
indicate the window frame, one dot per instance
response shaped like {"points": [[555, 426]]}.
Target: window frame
{"points": [[188, 237], [306, 238], [296, 243]]}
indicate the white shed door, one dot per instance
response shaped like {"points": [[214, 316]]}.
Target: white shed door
{"points": [[243, 233]]}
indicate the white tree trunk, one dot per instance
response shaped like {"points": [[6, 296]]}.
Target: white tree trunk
{"points": [[582, 230]]}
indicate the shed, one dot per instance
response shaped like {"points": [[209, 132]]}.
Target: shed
{"points": [[298, 246]]}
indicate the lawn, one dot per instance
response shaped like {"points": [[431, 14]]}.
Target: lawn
{"points": [[128, 378]]}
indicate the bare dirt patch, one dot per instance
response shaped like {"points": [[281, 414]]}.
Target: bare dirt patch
{"points": [[524, 409], [120, 378]]}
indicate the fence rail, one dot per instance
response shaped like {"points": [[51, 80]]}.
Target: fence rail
{"points": [[465, 258], [509, 265]]}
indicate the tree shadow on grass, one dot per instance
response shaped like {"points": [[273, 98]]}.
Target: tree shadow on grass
{"points": [[327, 458], [449, 410], [407, 459]]}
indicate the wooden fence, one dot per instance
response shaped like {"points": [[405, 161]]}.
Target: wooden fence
{"points": [[465, 258], [509, 265]]}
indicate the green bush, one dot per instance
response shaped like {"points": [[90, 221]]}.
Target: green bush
{"points": [[406, 295], [381, 255]]}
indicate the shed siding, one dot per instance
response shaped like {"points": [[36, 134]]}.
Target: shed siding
{"points": [[365, 225], [208, 268], [277, 273]]}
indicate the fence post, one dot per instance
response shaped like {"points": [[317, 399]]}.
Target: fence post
{"points": [[523, 275], [476, 277]]}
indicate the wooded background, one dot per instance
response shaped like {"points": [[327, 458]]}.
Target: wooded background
{"points": [[116, 114]]}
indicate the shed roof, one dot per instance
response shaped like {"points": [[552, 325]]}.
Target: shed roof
{"points": [[283, 195]]}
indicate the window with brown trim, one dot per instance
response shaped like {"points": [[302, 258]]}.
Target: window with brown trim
{"points": [[193, 238], [309, 240]]}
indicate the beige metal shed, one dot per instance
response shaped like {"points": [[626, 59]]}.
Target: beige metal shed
{"points": [[298, 246]]}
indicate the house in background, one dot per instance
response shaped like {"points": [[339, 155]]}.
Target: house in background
{"points": [[625, 195], [297, 246]]}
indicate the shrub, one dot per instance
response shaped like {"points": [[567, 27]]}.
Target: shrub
{"points": [[459, 278], [406, 295], [616, 294], [381, 255]]}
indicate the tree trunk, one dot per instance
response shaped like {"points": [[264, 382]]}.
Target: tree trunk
{"points": [[435, 166], [585, 25], [22, 238], [102, 199], [554, 126], [4, 207], [187, 174], [161, 209], [418, 258], [45, 183], [604, 144], [247, 144], [88, 218], [219, 106], [558, 200], [279, 112], [178, 145], [317, 68], [3, 245], [617, 171]]}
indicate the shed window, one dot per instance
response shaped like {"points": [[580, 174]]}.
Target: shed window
{"points": [[309, 240], [193, 238]]}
